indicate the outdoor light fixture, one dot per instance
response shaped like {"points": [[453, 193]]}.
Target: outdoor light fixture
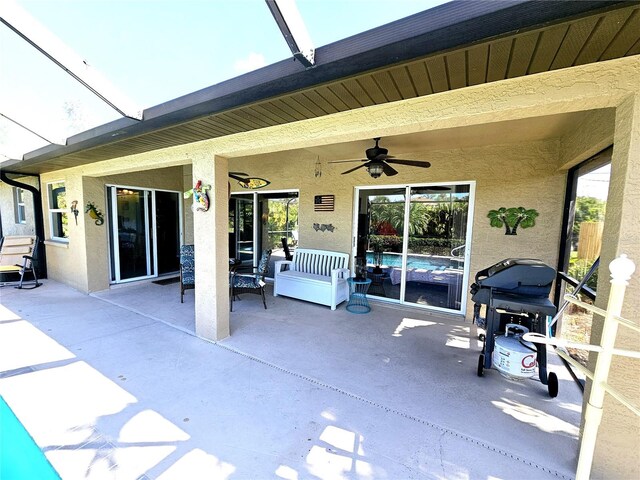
{"points": [[74, 209], [375, 169]]}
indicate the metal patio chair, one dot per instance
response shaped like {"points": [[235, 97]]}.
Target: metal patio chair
{"points": [[251, 282], [187, 270]]}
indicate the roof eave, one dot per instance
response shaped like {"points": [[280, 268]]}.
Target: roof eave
{"points": [[442, 28]]}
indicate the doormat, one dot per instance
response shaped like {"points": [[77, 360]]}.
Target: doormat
{"points": [[167, 281]]}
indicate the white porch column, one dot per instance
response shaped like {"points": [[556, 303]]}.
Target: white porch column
{"points": [[211, 241]]}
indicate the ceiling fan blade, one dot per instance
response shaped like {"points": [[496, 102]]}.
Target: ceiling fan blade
{"points": [[413, 163], [354, 169], [239, 173], [347, 161], [388, 170]]}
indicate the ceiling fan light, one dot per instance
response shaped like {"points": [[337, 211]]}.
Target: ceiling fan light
{"points": [[375, 170]]}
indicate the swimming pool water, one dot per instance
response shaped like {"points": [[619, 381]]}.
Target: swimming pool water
{"points": [[413, 261], [20, 457]]}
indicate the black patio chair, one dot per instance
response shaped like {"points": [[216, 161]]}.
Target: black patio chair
{"points": [[18, 254], [187, 270], [285, 248], [250, 283]]}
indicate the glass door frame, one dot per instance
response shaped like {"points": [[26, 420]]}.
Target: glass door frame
{"points": [[150, 237], [256, 216], [405, 240], [598, 160]]}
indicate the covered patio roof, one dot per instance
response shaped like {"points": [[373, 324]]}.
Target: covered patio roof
{"points": [[453, 46]]}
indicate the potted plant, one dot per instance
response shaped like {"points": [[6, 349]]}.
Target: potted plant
{"points": [[377, 258], [361, 268]]}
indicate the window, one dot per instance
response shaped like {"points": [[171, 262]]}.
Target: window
{"points": [[58, 211], [18, 201]]}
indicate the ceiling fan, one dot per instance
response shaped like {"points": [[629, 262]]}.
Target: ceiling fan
{"points": [[377, 162]]}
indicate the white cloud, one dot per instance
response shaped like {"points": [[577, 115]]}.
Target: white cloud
{"points": [[252, 62]]}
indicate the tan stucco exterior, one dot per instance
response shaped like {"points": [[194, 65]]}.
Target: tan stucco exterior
{"points": [[528, 173], [617, 452], [524, 174], [8, 214], [83, 262]]}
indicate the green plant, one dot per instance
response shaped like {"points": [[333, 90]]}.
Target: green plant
{"points": [[587, 209], [578, 269], [512, 218], [430, 245]]}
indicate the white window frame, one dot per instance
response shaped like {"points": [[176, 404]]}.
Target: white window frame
{"points": [[20, 208], [54, 211]]}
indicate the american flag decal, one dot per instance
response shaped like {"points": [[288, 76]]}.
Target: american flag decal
{"points": [[323, 203]]}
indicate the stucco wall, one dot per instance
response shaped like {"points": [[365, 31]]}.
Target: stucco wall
{"points": [[7, 209], [83, 263], [617, 454], [515, 175]]}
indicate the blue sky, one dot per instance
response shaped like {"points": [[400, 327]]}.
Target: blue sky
{"points": [[157, 50]]}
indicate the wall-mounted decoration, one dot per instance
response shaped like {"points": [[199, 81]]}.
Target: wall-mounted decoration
{"points": [[512, 218], [323, 203], [323, 227], [200, 197], [254, 183], [74, 210], [250, 183], [94, 212], [318, 168]]}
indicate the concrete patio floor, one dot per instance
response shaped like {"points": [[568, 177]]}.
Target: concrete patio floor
{"points": [[115, 385]]}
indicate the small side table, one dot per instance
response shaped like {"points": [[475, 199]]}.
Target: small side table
{"points": [[358, 302], [377, 281]]}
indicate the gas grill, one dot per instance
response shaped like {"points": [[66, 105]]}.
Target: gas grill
{"points": [[515, 291]]}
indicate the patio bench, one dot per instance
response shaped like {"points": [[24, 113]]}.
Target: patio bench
{"points": [[318, 276]]}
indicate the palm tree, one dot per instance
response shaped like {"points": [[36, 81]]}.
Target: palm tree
{"points": [[393, 214]]}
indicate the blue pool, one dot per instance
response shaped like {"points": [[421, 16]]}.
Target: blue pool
{"points": [[20, 457], [413, 261]]}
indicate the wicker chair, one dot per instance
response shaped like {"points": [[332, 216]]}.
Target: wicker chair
{"points": [[252, 282], [187, 270]]}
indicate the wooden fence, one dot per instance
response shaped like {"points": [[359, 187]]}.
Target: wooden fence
{"points": [[590, 240]]}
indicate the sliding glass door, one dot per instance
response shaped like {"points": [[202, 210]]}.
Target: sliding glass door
{"points": [[144, 228], [413, 241], [262, 221]]}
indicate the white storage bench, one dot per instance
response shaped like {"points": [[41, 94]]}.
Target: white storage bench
{"points": [[318, 276]]}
